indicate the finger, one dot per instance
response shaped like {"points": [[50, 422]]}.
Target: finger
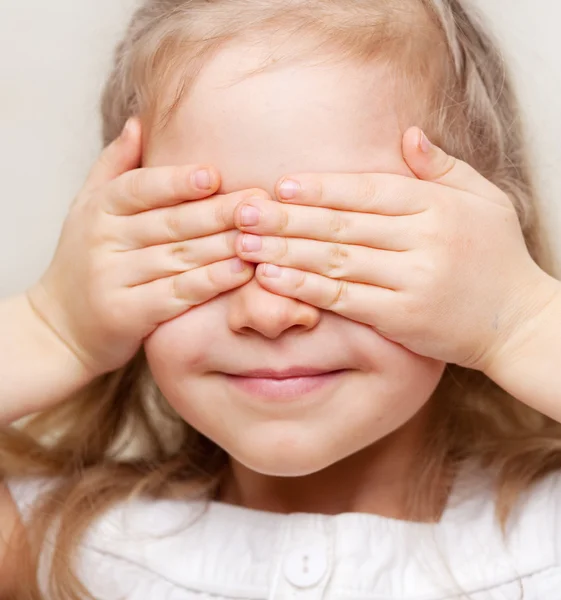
{"points": [[166, 299], [157, 262], [185, 221], [377, 193], [264, 217], [122, 155], [156, 187], [356, 301], [336, 261], [431, 163]]}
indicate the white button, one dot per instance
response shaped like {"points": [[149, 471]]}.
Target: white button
{"points": [[306, 566]]}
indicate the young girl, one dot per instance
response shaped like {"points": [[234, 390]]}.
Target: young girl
{"points": [[288, 347]]}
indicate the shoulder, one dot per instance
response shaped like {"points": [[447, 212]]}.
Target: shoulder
{"points": [[137, 516], [535, 523], [135, 544], [527, 552], [533, 537], [535, 515]]}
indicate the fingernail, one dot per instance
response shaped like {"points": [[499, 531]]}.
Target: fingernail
{"points": [[203, 179], [425, 144], [288, 189], [238, 265], [272, 271], [252, 243], [250, 216]]}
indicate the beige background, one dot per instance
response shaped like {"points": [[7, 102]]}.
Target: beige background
{"points": [[53, 59]]}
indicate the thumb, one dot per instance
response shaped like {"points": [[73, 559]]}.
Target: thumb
{"points": [[120, 156], [430, 163]]}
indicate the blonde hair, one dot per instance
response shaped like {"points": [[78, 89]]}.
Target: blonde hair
{"points": [[119, 436]]}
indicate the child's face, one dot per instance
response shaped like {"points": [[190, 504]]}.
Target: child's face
{"points": [[290, 119]]}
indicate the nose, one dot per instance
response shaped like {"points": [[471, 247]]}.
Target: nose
{"points": [[252, 309]]}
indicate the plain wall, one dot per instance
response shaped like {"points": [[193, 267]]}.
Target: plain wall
{"points": [[55, 55]]}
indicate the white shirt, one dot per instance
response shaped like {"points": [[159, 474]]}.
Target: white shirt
{"points": [[169, 550]]}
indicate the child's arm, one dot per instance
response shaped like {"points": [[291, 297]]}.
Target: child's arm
{"points": [[529, 365], [37, 369]]}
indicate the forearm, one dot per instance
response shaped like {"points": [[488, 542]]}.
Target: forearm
{"points": [[36, 369], [529, 368]]}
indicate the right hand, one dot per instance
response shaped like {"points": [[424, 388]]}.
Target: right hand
{"points": [[134, 254]]}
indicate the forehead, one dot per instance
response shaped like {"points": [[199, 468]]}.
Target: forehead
{"points": [[293, 116]]}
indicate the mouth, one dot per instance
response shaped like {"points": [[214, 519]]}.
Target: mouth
{"points": [[290, 373], [288, 384]]}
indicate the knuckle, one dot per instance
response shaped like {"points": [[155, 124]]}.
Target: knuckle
{"points": [[183, 253], [423, 272], [283, 221], [337, 261], [437, 227], [318, 190], [300, 282], [177, 291], [409, 310], [172, 223], [338, 225], [282, 249], [339, 298], [430, 233], [214, 277]]}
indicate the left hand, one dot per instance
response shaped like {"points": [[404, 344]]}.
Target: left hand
{"points": [[437, 264]]}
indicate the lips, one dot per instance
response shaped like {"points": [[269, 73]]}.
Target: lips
{"points": [[286, 373], [284, 385]]}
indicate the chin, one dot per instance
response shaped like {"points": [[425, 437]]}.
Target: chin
{"points": [[283, 453]]}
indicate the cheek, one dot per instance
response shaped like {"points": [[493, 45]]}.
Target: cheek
{"points": [[410, 372], [179, 346], [395, 386], [407, 384], [395, 371], [398, 382]]}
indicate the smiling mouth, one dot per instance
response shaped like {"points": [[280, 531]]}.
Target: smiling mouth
{"points": [[290, 373], [289, 384]]}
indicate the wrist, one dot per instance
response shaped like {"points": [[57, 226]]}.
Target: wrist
{"points": [[47, 342], [37, 370], [533, 326]]}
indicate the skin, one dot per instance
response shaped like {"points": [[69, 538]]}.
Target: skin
{"points": [[141, 246], [360, 434]]}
